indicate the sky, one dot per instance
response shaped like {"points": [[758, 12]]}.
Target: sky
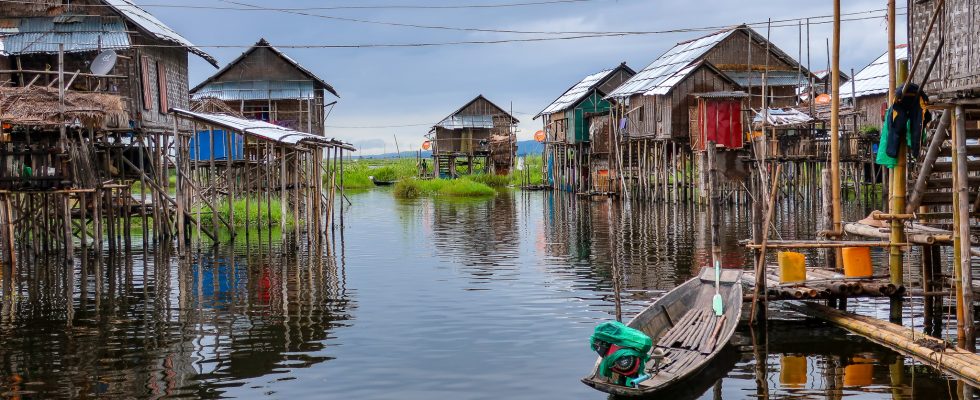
{"points": [[390, 94]]}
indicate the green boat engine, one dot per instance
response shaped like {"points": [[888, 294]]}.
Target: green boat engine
{"points": [[624, 351]]}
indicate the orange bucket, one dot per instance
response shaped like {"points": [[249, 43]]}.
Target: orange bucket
{"points": [[857, 262]]}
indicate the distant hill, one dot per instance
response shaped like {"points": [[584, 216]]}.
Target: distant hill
{"points": [[524, 147], [532, 147]]}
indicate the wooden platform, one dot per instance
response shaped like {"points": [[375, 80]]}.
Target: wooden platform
{"points": [[822, 284]]}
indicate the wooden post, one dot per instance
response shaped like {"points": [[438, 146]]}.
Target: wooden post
{"points": [[961, 233], [714, 200], [835, 131], [828, 211], [896, 256]]}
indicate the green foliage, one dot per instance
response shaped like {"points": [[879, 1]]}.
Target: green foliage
{"points": [[270, 214], [870, 130], [357, 173], [494, 181], [412, 188], [531, 174], [408, 189]]}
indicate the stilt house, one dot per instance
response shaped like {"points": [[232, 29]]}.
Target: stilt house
{"points": [[118, 71], [479, 131], [267, 85], [579, 134], [658, 112]]}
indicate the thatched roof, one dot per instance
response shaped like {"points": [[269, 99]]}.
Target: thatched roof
{"points": [[39, 106]]}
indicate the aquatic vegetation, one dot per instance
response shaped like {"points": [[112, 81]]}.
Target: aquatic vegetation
{"points": [[357, 173], [269, 214], [530, 174], [494, 181], [463, 187]]}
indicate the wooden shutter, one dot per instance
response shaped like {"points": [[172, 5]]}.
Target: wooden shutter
{"points": [[147, 94], [162, 87]]}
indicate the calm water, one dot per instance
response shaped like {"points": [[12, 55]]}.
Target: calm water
{"points": [[475, 299]]}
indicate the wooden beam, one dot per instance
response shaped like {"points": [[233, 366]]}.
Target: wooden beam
{"points": [[960, 363]]}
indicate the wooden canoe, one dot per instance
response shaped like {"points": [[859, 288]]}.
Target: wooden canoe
{"points": [[381, 183], [683, 326]]}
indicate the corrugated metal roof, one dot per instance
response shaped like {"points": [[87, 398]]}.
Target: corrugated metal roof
{"points": [[774, 78], [782, 117], [260, 129], [722, 95], [660, 75], [78, 33], [147, 22], [873, 79], [576, 93], [257, 90], [467, 121]]}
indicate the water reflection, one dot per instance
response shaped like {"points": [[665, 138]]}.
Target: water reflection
{"points": [[154, 324], [478, 299]]}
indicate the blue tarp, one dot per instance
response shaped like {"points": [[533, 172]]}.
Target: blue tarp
{"points": [[201, 146]]}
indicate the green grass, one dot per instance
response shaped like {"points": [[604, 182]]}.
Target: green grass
{"points": [[531, 175], [271, 215], [494, 181], [357, 173], [464, 187]]}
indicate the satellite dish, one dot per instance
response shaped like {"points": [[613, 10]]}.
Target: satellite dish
{"points": [[104, 62]]}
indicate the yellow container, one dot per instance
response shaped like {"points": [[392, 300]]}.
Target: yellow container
{"points": [[792, 267], [857, 261], [792, 371]]}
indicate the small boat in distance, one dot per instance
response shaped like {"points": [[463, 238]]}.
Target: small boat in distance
{"points": [[686, 332], [381, 183]]}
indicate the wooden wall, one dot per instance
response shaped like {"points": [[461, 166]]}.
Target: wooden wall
{"points": [[958, 65], [703, 80], [667, 117], [146, 110], [734, 54], [262, 64]]}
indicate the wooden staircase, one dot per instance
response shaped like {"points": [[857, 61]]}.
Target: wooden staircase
{"points": [[938, 192]]}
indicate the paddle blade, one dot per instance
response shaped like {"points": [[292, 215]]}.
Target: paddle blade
{"points": [[716, 304]]}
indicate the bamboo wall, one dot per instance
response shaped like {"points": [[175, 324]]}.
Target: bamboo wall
{"points": [[957, 65]]}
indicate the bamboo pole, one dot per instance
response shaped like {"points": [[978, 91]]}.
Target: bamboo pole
{"points": [[835, 129], [961, 363], [896, 259], [961, 233], [760, 265]]}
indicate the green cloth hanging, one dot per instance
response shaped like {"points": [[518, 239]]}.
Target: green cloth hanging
{"points": [[882, 157]]}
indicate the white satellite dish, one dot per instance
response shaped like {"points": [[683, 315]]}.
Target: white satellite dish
{"points": [[104, 62]]}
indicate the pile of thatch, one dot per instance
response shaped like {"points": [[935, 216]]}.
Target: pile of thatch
{"points": [[212, 105], [39, 106], [502, 148]]}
